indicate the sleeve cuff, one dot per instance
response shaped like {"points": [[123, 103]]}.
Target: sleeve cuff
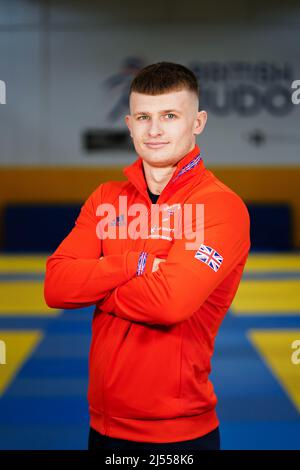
{"points": [[138, 263]]}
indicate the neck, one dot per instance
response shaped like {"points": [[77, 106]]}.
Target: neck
{"points": [[158, 177]]}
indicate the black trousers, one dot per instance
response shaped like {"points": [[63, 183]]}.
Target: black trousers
{"points": [[210, 441]]}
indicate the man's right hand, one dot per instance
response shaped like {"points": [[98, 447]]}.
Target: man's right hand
{"points": [[156, 263]]}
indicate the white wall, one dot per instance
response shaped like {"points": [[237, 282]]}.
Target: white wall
{"points": [[56, 56]]}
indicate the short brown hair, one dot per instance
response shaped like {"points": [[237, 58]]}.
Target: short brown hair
{"points": [[164, 77]]}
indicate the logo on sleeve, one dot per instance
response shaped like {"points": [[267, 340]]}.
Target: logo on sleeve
{"points": [[118, 221], [209, 256]]}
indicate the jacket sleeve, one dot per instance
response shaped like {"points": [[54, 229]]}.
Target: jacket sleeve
{"points": [[182, 284], [76, 276]]}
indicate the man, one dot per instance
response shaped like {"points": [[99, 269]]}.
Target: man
{"points": [[160, 299]]}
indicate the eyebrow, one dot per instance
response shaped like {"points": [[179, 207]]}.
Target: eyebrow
{"points": [[164, 111]]}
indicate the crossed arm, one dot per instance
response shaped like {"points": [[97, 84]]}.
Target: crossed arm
{"points": [[78, 275]]}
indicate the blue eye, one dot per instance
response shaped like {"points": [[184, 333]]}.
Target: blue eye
{"points": [[171, 114]]}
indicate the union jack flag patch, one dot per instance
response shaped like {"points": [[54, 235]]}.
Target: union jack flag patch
{"points": [[209, 256]]}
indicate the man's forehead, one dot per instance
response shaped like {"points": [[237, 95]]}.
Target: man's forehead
{"points": [[175, 100]]}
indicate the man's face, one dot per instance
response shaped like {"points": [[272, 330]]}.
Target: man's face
{"points": [[163, 127]]}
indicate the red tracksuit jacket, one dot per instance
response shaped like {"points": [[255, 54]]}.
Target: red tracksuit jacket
{"points": [[153, 332]]}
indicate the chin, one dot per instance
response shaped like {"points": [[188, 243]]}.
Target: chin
{"points": [[167, 150], [160, 160]]}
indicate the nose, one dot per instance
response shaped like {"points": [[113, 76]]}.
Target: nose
{"points": [[154, 128]]}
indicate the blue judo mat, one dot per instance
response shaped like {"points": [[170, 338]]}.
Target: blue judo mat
{"points": [[45, 404]]}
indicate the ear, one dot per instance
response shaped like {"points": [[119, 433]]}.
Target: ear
{"points": [[128, 123], [200, 122]]}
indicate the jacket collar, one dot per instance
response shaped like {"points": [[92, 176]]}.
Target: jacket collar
{"points": [[187, 168]]}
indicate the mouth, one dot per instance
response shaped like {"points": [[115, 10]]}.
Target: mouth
{"points": [[155, 145]]}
